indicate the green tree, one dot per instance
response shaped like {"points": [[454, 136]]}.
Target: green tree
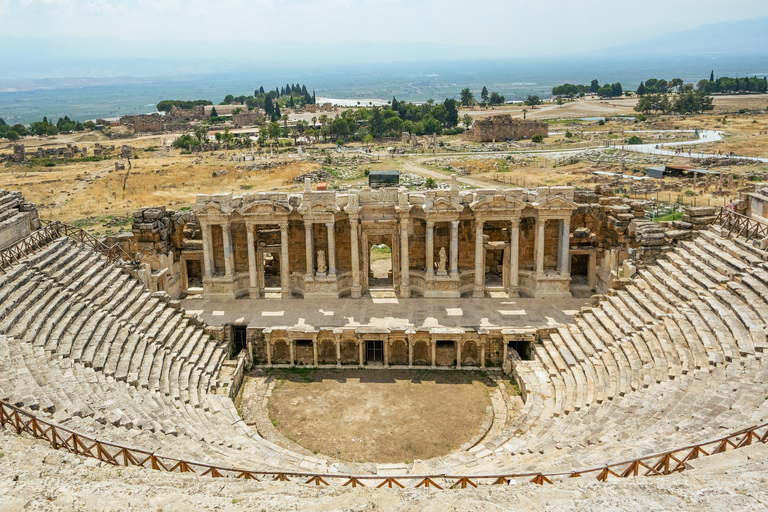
{"points": [[376, 124], [532, 101], [273, 131], [641, 89], [467, 120], [201, 132], [12, 135], [496, 99], [467, 97], [214, 113], [20, 129], [594, 86], [439, 113], [484, 95], [430, 183], [451, 107], [677, 83]]}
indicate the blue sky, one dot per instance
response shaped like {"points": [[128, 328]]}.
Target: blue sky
{"points": [[545, 26]]}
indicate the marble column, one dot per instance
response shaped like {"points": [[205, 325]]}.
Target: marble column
{"points": [[434, 354], [252, 268], [539, 246], [405, 265], [208, 250], [356, 289], [269, 352], [337, 342], [331, 248], [310, 254], [479, 291], [226, 230], [292, 348], [514, 255], [285, 282], [314, 349], [410, 353], [565, 246], [455, 249], [482, 356], [458, 354], [361, 348], [430, 249]]}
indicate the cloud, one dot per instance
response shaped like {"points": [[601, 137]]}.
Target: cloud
{"points": [[514, 25]]}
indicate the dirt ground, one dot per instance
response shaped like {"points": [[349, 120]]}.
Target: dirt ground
{"points": [[387, 416]]}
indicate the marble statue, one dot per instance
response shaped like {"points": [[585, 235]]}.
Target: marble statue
{"points": [[442, 261], [321, 268]]}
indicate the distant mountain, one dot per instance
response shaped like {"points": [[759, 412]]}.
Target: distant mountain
{"points": [[742, 37]]}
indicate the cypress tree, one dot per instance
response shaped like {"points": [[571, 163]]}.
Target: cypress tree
{"points": [[712, 76]]}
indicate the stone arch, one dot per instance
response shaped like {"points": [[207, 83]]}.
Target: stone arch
{"points": [[421, 353], [470, 353], [326, 353], [398, 352], [349, 351], [281, 352]]}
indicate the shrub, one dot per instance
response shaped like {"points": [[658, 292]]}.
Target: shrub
{"points": [[568, 134], [538, 139], [601, 122], [634, 140]]}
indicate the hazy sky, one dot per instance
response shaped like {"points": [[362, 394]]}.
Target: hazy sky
{"points": [[546, 25]]}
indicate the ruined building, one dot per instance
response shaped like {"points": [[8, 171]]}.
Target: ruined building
{"points": [[503, 127]]}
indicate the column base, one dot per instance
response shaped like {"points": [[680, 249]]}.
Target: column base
{"points": [[254, 293], [478, 292], [286, 294], [513, 292], [356, 292], [405, 292]]}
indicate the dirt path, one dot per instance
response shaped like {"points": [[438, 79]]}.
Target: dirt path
{"points": [[415, 168]]}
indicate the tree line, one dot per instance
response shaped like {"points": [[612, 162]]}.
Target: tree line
{"points": [[43, 128]]}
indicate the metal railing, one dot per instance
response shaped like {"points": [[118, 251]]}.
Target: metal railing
{"points": [[741, 225], [62, 438], [50, 231]]}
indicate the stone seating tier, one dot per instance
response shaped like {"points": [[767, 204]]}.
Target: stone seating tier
{"points": [[674, 358]]}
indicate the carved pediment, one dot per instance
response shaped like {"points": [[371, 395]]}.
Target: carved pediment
{"points": [[443, 205], [265, 208], [209, 209], [557, 203], [497, 204], [317, 208]]}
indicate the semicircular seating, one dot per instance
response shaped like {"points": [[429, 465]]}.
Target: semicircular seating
{"points": [[674, 358]]}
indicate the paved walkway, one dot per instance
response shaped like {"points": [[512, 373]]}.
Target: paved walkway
{"points": [[388, 312]]}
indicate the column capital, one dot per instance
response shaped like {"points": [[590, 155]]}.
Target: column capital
{"points": [[455, 223], [283, 226], [430, 224]]}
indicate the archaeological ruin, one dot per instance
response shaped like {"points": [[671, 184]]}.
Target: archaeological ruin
{"points": [[131, 349], [504, 127]]}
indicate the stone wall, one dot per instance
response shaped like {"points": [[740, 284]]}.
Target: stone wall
{"points": [[247, 118], [148, 123], [503, 127], [18, 218]]}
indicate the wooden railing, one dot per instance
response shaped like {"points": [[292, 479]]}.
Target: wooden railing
{"points": [[62, 438], [741, 225], [52, 230]]}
